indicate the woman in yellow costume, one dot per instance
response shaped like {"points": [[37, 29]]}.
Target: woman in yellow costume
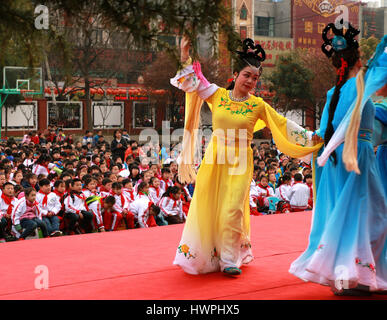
{"points": [[216, 234]]}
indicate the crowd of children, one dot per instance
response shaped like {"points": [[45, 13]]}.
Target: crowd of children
{"points": [[62, 187], [52, 187], [279, 184]]}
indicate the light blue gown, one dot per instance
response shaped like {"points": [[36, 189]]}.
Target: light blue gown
{"points": [[380, 140], [347, 242]]}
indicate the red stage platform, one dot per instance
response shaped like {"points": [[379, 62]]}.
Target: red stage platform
{"points": [[137, 265]]}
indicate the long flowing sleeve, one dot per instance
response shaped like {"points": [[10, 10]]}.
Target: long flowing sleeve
{"points": [[191, 80], [289, 137]]}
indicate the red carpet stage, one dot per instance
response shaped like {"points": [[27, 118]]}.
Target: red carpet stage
{"points": [[137, 264]]}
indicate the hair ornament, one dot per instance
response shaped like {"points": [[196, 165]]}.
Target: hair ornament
{"points": [[340, 41], [252, 50]]}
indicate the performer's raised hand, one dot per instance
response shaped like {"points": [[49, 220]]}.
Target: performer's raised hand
{"points": [[185, 45]]}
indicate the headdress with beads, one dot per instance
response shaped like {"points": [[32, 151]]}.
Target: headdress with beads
{"points": [[340, 41], [252, 50]]}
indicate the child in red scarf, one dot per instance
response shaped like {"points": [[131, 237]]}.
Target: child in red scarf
{"points": [[122, 207], [7, 203], [26, 215], [264, 192], [44, 199], [106, 188], [308, 180]]}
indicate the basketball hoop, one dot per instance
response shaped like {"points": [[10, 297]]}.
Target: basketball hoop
{"points": [[27, 95]]}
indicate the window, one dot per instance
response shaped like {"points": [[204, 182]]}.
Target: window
{"points": [[21, 117], [243, 13], [65, 114], [107, 115], [143, 115], [264, 26]]}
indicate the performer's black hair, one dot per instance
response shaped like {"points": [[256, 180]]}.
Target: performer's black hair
{"points": [[251, 55], [343, 60]]}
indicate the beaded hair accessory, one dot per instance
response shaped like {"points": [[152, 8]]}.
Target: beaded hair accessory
{"points": [[340, 41], [252, 50]]}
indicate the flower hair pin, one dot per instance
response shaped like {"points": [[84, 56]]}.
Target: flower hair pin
{"points": [[340, 41]]}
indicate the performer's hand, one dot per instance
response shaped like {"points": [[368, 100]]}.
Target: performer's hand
{"points": [[185, 45], [316, 139]]}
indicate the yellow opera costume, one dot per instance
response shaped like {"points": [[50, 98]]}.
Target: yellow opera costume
{"points": [[217, 230]]}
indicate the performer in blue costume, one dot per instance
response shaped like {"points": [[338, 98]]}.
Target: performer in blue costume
{"points": [[347, 243], [380, 135]]}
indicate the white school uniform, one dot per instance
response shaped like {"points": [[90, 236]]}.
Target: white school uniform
{"points": [[265, 192], [122, 203], [75, 204], [155, 195], [282, 192], [4, 206], [140, 209], [253, 193], [171, 207], [96, 208], [299, 195], [53, 203]]}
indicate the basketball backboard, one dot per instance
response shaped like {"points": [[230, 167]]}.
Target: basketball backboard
{"points": [[16, 79]]}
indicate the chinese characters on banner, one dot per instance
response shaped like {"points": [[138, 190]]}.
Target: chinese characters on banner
{"points": [[311, 16], [274, 47]]}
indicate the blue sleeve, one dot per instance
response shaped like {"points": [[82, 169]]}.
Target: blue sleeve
{"points": [[325, 115]]}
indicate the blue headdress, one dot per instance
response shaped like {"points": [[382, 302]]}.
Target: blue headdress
{"points": [[340, 41]]}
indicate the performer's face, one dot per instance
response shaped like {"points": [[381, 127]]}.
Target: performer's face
{"points": [[247, 79]]}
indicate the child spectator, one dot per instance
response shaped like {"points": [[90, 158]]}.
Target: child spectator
{"points": [[272, 181], [283, 189], [299, 194], [19, 190], [254, 195], [96, 205], [30, 180], [88, 138], [128, 190], [75, 209], [42, 165], [106, 188], [293, 171], [111, 218], [155, 191], [17, 178], [264, 192], [134, 174], [171, 205], [26, 216], [145, 177], [308, 180], [56, 198], [7, 203], [165, 181], [122, 205], [3, 180], [43, 199], [143, 209], [185, 195], [90, 187]]}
